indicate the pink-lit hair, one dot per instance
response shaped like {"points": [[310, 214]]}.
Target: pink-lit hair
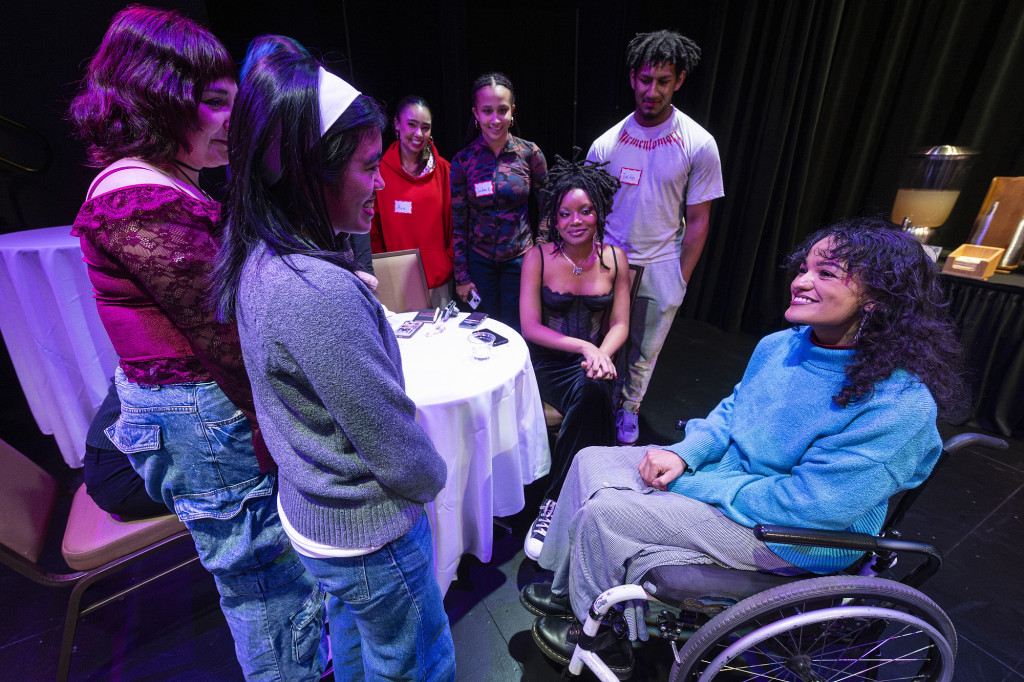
{"points": [[141, 90]]}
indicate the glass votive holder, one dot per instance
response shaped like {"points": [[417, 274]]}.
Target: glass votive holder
{"points": [[481, 343]]}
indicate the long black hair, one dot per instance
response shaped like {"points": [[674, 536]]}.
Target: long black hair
{"points": [[906, 323], [281, 168]]}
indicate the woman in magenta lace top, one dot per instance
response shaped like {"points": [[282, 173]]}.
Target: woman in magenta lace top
{"points": [[574, 306], [154, 111]]}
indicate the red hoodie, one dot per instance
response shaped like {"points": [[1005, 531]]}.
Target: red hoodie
{"points": [[415, 213]]}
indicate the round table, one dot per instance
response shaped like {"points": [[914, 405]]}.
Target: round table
{"points": [[486, 420], [59, 348]]}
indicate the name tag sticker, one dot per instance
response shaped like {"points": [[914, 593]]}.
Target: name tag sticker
{"points": [[630, 176], [403, 206], [483, 189]]}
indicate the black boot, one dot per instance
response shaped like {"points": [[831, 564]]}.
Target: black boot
{"points": [[541, 601], [557, 637]]}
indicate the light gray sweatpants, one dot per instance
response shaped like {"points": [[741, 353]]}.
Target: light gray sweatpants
{"points": [[609, 528]]}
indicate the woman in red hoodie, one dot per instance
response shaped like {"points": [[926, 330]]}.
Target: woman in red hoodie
{"points": [[414, 210]]}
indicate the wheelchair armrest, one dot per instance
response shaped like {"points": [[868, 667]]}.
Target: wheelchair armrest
{"points": [[963, 440], [861, 542]]}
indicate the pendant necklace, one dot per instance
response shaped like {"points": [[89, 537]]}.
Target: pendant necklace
{"points": [[578, 269]]}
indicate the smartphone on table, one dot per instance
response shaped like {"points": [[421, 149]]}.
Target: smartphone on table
{"points": [[499, 340], [473, 321], [407, 329]]}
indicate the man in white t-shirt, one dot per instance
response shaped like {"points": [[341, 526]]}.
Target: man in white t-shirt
{"points": [[669, 171]]}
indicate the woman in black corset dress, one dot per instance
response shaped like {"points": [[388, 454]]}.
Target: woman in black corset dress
{"points": [[574, 307]]}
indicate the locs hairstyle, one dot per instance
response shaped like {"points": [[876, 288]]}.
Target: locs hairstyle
{"points": [[662, 47], [906, 324], [142, 88], [565, 176], [281, 168]]}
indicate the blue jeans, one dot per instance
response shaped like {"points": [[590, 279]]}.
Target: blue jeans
{"points": [[193, 447], [497, 282], [386, 612]]}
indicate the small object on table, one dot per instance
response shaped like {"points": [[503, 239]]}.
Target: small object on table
{"points": [[969, 260], [499, 340], [481, 343], [407, 329], [473, 320], [428, 315]]}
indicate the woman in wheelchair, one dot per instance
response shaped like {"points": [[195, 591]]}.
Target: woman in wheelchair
{"points": [[831, 418]]}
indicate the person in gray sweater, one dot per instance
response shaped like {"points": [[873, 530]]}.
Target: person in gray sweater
{"points": [[355, 468]]}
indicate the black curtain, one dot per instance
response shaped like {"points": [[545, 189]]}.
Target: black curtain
{"points": [[815, 103], [816, 106]]}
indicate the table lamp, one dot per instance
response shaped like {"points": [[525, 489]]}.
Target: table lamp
{"points": [[929, 186]]}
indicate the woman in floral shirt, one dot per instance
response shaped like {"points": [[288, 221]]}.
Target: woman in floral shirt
{"points": [[492, 180]]}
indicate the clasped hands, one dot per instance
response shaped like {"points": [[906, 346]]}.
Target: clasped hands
{"points": [[597, 364]]}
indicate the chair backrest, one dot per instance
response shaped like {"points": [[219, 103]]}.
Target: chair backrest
{"points": [[28, 497], [636, 273], [402, 284]]}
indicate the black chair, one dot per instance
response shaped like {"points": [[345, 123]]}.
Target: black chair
{"points": [[745, 625]]}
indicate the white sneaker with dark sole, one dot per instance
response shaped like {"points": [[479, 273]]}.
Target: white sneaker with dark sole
{"points": [[539, 530]]}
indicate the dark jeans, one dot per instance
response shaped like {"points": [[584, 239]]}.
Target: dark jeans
{"points": [[497, 282], [588, 417], [114, 486]]}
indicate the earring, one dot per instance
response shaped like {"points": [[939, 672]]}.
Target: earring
{"points": [[476, 123]]}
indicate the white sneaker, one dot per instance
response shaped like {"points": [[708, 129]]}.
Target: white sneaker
{"points": [[539, 530], [627, 427]]}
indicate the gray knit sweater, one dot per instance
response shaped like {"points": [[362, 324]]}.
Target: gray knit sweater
{"points": [[354, 466]]}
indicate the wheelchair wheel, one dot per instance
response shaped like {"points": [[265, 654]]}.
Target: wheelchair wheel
{"points": [[827, 628]]}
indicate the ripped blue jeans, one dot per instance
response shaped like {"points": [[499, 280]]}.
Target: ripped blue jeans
{"points": [[193, 447]]}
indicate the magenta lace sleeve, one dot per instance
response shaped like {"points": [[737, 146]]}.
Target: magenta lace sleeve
{"points": [[165, 243]]}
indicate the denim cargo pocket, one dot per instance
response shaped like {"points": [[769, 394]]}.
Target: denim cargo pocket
{"points": [[308, 627], [223, 503], [132, 438], [230, 442]]}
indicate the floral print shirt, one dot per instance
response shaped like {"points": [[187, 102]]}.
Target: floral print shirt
{"points": [[490, 200]]}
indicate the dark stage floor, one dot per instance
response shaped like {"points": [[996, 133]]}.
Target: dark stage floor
{"points": [[173, 630]]}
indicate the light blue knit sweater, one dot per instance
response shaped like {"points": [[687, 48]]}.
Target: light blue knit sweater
{"points": [[780, 451]]}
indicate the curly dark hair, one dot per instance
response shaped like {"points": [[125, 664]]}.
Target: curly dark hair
{"points": [[907, 325], [141, 90], [565, 176], [662, 47]]}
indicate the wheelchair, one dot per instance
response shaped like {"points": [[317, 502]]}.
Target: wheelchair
{"points": [[730, 625]]}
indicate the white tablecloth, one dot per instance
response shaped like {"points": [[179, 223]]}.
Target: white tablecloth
{"points": [[53, 333], [487, 421]]}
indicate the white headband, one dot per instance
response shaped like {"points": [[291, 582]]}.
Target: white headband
{"points": [[335, 97]]}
